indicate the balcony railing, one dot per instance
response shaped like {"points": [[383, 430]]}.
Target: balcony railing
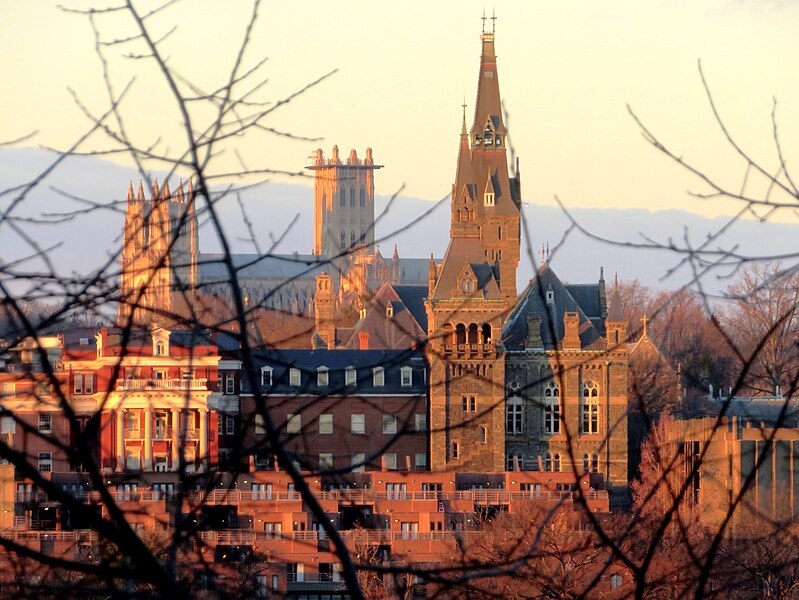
{"points": [[134, 434], [469, 350], [162, 384]]}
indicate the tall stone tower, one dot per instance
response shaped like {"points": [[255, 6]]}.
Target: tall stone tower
{"points": [[472, 290], [344, 207], [159, 253]]}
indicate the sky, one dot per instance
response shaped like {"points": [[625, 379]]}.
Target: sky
{"points": [[567, 71]]}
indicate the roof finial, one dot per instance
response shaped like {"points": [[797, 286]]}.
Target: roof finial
{"points": [[644, 319], [493, 21], [484, 20], [543, 256], [616, 279], [463, 125]]}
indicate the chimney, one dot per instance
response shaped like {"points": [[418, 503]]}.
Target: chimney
{"points": [[534, 340], [363, 340], [571, 331]]}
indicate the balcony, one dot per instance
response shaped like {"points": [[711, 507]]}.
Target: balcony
{"points": [[162, 384], [469, 350], [134, 434]]}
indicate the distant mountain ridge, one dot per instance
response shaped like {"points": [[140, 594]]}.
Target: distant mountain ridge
{"points": [[281, 215]]}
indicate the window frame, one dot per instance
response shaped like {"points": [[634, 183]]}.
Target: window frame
{"points": [[406, 377], [322, 377], [350, 376], [295, 377], [378, 377], [326, 424], [45, 424], [264, 379], [389, 424], [293, 423], [354, 417]]}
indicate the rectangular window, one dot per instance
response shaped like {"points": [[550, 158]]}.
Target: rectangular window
{"points": [[7, 389], [78, 384], [406, 376], [230, 384], [325, 461], [469, 404], [294, 377], [88, 383], [456, 450], [358, 424], [389, 424], [514, 417], [483, 435], [322, 378], [8, 424], [259, 424], [45, 462], [350, 376], [45, 389], [390, 461], [159, 374], [378, 377], [357, 462], [420, 422], [326, 424], [230, 425], [420, 461], [266, 376], [45, 423], [293, 423], [220, 425], [552, 418]]}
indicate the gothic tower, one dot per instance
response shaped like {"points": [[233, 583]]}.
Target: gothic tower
{"points": [[344, 208], [159, 253], [472, 290]]}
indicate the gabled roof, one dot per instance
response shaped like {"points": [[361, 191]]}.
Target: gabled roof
{"points": [[403, 328], [534, 301], [460, 253]]}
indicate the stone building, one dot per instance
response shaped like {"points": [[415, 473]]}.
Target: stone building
{"points": [[566, 380]]}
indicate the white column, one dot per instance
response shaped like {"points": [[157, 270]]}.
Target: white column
{"points": [[148, 439], [120, 446], [175, 438], [203, 435]]}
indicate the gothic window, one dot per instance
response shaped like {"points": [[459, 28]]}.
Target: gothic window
{"points": [[343, 239], [556, 463], [363, 197], [589, 408], [460, 333], [552, 415], [352, 237], [448, 333], [548, 462], [586, 463], [363, 235], [486, 333], [352, 196], [595, 463], [514, 416], [512, 461], [488, 199], [342, 198], [473, 333], [552, 390]]}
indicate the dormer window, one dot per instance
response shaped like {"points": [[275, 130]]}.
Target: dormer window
{"points": [[350, 377], [467, 286], [406, 376], [550, 296], [389, 310], [266, 376], [488, 199], [294, 377], [321, 377], [488, 135]]}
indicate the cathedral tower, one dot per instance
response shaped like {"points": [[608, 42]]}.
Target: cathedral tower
{"points": [[159, 253], [344, 207], [472, 290]]}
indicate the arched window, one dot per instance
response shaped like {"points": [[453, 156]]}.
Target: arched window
{"points": [[488, 135], [160, 348], [343, 239], [548, 462], [586, 463], [342, 200], [589, 409], [352, 196], [595, 463], [448, 333], [514, 416], [473, 333], [460, 333], [552, 390], [363, 197], [486, 333], [556, 463], [352, 237]]}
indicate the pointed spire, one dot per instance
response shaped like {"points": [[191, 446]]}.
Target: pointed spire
{"points": [[489, 105], [165, 194], [130, 192], [140, 193], [180, 195], [396, 254], [156, 195], [190, 192]]}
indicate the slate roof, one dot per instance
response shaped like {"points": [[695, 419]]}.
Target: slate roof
{"points": [[463, 251], [256, 266], [337, 361], [533, 301], [400, 330]]}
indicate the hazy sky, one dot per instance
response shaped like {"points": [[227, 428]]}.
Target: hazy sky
{"points": [[567, 71]]}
